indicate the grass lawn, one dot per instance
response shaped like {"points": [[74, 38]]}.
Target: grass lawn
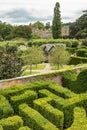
{"points": [[64, 67], [26, 73], [39, 67], [55, 67]]}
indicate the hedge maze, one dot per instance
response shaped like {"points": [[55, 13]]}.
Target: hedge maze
{"points": [[42, 106]]}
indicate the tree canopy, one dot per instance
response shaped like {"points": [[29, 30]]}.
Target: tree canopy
{"points": [[39, 25], [78, 29], [33, 55], [10, 63], [59, 56], [56, 23]]}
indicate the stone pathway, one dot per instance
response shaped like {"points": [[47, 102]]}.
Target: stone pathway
{"points": [[47, 68]]}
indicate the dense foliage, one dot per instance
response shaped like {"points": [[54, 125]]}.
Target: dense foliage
{"points": [[10, 63], [5, 30], [33, 55], [42, 106], [67, 42], [78, 29], [75, 82], [59, 56], [39, 25], [8, 31]]}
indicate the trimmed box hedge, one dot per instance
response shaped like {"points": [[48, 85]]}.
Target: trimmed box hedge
{"points": [[11, 123], [34, 119], [47, 93], [39, 42], [18, 89], [24, 128], [5, 108], [1, 128], [80, 120], [68, 105], [77, 60], [82, 52], [26, 97], [53, 115], [60, 91]]}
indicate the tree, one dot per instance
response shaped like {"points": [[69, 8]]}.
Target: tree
{"points": [[10, 63], [39, 25], [22, 31], [59, 56], [5, 30], [34, 55], [56, 24], [78, 29]]}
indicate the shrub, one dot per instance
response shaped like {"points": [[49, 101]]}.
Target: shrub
{"points": [[77, 60], [71, 50], [84, 42], [61, 91], [82, 81], [26, 97], [80, 121], [82, 52], [68, 105], [75, 44], [24, 128], [11, 123], [53, 115], [69, 80], [34, 119], [5, 108], [39, 42], [1, 128], [18, 89]]}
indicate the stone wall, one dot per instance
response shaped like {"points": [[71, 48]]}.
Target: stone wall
{"points": [[27, 79], [55, 76]]}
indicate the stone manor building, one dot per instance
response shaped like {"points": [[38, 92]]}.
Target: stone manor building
{"points": [[47, 33]]}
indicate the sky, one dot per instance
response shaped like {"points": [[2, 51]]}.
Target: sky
{"points": [[18, 12]]}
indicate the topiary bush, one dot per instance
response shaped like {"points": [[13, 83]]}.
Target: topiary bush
{"points": [[77, 60], [82, 52], [24, 128], [5, 108], [82, 81], [11, 123]]}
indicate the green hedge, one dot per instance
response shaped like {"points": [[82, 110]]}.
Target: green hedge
{"points": [[68, 105], [11, 123], [82, 52], [34, 119], [82, 81], [24, 128], [74, 81], [69, 80], [47, 93], [77, 60], [71, 50], [1, 128], [61, 91], [39, 42], [53, 115], [5, 108], [80, 120], [18, 89], [26, 97]]}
